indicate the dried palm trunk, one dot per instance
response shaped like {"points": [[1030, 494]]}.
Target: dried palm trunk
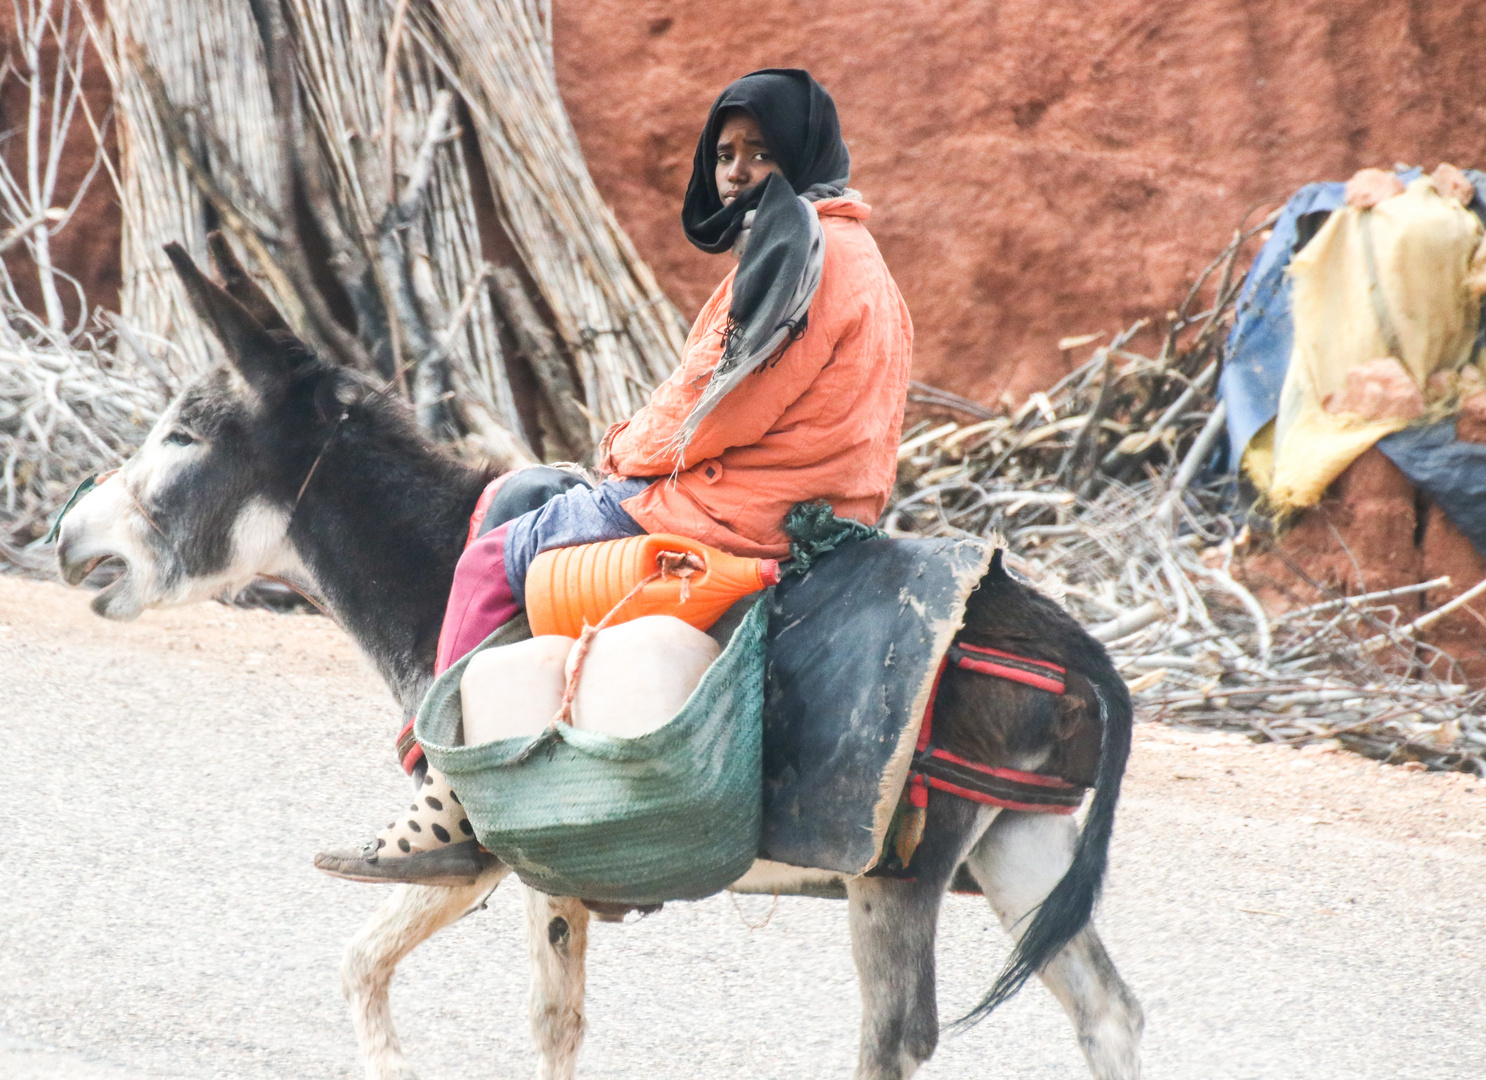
{"points": [[211, 62], [416, 280], [610, 314], [231, 114]]}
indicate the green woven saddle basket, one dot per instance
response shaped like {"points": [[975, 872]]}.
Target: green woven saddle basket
{"points": [[671, 815]]}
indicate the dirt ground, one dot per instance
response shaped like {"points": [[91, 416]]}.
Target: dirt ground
{"points": [[1280, 913]]}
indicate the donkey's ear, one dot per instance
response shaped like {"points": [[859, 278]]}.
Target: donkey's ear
{"points": [[240, 286], [249, 345]]}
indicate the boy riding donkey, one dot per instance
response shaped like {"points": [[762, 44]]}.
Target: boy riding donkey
{"points": [[791, 389]]}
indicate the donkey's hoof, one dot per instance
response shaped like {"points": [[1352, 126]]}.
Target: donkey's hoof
{"points": [[455, 864]]}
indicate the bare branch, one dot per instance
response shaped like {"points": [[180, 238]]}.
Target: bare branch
{"points": [[20, 232], [389, 99], [405, 208], [539, 345], [292, 262]]}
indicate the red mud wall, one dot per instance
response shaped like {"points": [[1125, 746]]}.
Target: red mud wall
{"points": [[1374, 531], [88, 246], [1036, 169]]}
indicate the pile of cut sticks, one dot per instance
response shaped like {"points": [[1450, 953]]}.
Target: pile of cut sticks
{"points": [[1102, 491]]}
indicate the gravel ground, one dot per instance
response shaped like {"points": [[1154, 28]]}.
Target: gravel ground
{"points": [[1280, 914]]}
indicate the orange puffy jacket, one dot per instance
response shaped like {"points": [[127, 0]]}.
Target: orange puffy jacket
{"points": [[821, 422]]}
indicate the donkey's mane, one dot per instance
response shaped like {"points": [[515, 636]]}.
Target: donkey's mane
{"points": [[381, 523]]}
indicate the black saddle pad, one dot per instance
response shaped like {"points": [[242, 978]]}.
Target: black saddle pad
{"points": [[854, 645]]}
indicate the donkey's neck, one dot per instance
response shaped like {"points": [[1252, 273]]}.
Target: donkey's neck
{"points": [[380, 530]]}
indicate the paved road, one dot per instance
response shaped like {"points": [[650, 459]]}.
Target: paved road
{"points": [[159, 916]]}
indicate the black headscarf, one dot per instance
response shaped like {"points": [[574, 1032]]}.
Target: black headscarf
{"points": [[799, 124], [780, 266]]}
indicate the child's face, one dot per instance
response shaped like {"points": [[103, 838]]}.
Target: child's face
{"points": [[743, 158]]}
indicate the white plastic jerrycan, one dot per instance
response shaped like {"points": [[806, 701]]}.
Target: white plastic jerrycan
{"points": [[635, 677], [638, 674], [513, 690]]}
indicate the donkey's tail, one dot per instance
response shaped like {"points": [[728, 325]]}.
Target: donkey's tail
{"points": [[1067, 909]]}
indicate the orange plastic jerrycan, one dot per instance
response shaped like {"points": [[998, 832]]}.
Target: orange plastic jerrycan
{"points": [[569, 587]]}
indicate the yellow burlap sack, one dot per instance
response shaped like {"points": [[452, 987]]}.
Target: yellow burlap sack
{"points": [[1382, 299]]}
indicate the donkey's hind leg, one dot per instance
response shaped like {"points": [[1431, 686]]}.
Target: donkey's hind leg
{"points": [[1017, 863], [557, 936], [411, 915], [892, 940]]}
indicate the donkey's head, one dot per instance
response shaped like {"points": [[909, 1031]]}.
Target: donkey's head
{"points": [[204, 505]]}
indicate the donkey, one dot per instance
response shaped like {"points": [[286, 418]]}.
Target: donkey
{"points": [[280, 463]]}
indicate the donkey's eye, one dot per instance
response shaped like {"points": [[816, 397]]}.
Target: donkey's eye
{"points": [[180, 437]]}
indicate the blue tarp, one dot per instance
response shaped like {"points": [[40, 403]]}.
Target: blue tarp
{"points": [[1258, 355], [1450, 472], [1259, 346]]}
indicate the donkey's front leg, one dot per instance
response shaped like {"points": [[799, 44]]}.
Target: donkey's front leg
{"points": [[411, 915], [1017, 863], [557, 935]]}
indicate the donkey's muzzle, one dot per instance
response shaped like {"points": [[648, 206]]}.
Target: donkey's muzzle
{"points": [[75, 561]]}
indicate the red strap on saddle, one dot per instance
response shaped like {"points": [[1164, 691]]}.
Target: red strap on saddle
{"points": [[1042, 674], [1012, 789]]}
